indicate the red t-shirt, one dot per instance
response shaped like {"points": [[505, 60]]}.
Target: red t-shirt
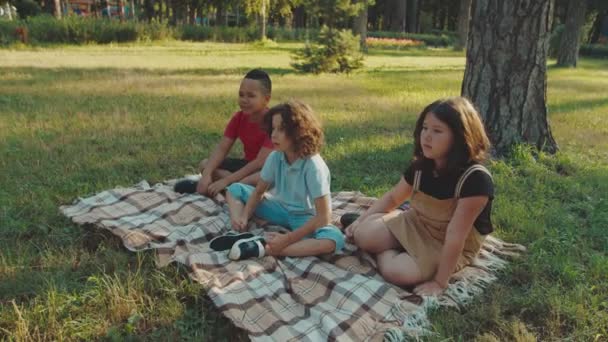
{"points": [[250, 133]]}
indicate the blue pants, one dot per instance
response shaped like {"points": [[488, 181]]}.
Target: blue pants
{"points": [[273, 212]]}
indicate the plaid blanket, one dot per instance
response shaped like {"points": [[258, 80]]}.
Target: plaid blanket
{"points": [[338, 297]]}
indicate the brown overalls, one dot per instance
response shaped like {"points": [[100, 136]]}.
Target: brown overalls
{"points": [[421, 230]]}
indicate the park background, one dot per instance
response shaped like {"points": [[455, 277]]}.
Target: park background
{"points": [[92, 99]]}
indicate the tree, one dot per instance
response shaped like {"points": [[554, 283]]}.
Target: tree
{"points": [[505, 73], [600, 8], [360, 23], [337, 50], [567, 54], [413, 15], [57, 12], [464, 15]]}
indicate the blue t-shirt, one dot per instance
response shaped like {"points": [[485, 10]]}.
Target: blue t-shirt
{"points": [[297, 185]]}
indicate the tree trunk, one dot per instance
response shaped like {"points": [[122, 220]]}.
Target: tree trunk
{"points": [[505, 73], [299, 17], [401, 15], [464, 14], [567, 54], [108, 8], [413, 13], [57, 4], [263, 19], [133, 10], [394, 15], [149, 9], [121, 10], [360, 25], [219, 12]]}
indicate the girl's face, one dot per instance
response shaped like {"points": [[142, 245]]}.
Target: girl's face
{"points": [[436, 139], [279, 138], [252, 100]]}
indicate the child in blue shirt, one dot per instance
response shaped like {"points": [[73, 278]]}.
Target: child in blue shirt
{"points": [[301, 198]]}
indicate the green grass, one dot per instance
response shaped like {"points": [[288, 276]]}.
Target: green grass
{"points": [[78, 120]]}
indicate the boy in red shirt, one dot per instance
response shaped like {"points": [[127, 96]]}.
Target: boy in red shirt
{"points": [[218, 171]]}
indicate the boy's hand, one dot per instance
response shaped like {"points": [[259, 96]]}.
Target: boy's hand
{"points": [[217, 186], [240, 224], [349, 232], [276, 242], [203, 185]]}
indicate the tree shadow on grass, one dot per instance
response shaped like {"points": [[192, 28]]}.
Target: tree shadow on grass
{"points": [[573, 106], [66, 286]]}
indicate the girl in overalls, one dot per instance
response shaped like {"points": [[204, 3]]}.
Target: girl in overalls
{"points": [[450, 196]]}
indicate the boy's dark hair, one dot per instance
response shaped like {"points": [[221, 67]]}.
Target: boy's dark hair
{"points": [[300, 125], [262, 77]]}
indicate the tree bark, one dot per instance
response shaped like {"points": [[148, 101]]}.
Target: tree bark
{"points": [[570, 42], [133, 10], [464, 15], [149, 9], [57, 7], [121, 10], [413, 15], [263, 19], [505, 75], [401, 15], [360, 25]]}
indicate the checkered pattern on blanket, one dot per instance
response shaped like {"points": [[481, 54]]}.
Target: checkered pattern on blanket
{"points": [[338, 297]]}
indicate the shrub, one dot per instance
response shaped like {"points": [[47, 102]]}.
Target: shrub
{"points": [[27, 8], [7, 32], [337, 51], [554, 40], [594, 50], [392, 43], [154, 30], [441, 40]]}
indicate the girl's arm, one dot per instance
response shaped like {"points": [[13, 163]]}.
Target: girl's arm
{"points": [[388, 202], [245, 171], [467, 211], [215, 159], [321, 219]]}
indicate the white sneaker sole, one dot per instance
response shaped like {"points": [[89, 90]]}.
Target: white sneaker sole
{"points": [[235, 251]]}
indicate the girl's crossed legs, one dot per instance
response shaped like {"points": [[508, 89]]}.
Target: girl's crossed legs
{"points": [[395, 265]]}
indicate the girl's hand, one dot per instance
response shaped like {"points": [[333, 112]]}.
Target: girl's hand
{"points": [[217, 186], [276, 242], [429, 288], [240, 224]]}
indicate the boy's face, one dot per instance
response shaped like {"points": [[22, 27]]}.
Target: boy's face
{"points": [[280, 140], [251, 97]]}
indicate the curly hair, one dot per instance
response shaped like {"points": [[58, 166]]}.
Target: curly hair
{"points": [[471, 143], [300, 125]]}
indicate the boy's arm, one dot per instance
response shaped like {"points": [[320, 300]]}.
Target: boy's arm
{"points": [[215, 159], [245, 171], [255, 198], [321, 219]]}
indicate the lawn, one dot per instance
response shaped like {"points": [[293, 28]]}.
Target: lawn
{"points": [[78, 120]]}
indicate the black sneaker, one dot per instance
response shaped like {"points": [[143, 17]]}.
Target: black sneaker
{"points": [[248, 248], [348, 218], [185, 186], [225, 242]]}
